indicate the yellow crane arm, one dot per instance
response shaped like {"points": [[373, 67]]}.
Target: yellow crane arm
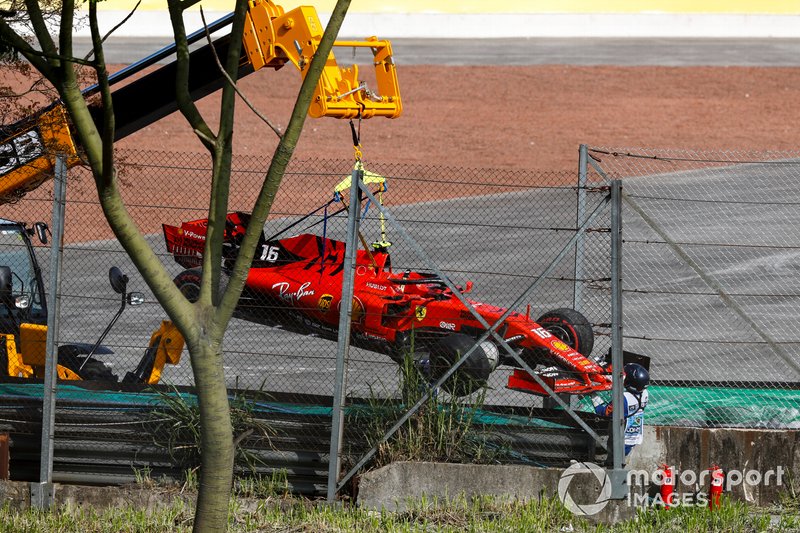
{"points": [[271, 38], [271, 34]]}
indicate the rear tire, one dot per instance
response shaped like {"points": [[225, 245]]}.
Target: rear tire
{"points": [[471, 375], [571, 327], [188, 283], [93, 370]]}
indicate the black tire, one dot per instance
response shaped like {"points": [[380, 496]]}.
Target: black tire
{"points": [[92, 370], [188, 283], [571, 327], [95, 370], [471, 375], [4, 360]]}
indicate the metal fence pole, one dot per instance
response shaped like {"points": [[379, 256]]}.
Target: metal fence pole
{"points": [[343, 344], [617, 434], [490, 329], [577, 294], [42, 493]]}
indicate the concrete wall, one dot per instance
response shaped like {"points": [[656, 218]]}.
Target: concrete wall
{"points": [[754, 451], [690, 450], [17, 495], [401, 485]]}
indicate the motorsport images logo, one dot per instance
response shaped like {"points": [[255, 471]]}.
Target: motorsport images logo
{"points": [[566, 488]]}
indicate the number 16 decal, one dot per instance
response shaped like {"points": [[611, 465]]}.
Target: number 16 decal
{"points": [[269, 253], [543, 333]]}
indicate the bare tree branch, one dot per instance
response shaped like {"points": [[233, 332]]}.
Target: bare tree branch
{"points": [[65, 32], [115, 28], [107, 134], [184, 100], [209, 140], [244, 98], [31, 54], [280, 160], [40, 29], [223, 156]]}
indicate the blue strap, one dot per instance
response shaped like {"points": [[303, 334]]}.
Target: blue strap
{"points": [[366, 208]]}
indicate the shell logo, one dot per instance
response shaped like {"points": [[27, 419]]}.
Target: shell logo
{"points": [[358, 310], [560, 346]]}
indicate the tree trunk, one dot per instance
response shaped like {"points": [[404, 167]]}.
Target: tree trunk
{"points": [[216, 438]]}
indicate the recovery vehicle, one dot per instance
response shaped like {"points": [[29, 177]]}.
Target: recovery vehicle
{"points": [[272, 38], [23, 315]]}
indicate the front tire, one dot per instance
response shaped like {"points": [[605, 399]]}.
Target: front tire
{"points": [[571, 327]]}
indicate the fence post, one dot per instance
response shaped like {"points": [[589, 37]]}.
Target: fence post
{"points": [[577, 294], [618, 476], [343, 344], [42, 493]]}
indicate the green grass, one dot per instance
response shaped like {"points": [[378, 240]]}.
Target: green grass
{"points": [[280, 513]]}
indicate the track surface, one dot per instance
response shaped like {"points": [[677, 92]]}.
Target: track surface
{"points": [[508, 116], [551, 51]]}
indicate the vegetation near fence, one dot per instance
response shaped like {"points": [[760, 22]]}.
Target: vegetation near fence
{"points": [[441, 430], [281, 513]]}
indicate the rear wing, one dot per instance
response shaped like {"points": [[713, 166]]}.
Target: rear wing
{"points": [[187, 242]]}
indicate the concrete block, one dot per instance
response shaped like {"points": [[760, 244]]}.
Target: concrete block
{"points": [[398, 486], [17, 495]]}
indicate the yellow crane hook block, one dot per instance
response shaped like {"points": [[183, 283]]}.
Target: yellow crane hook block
{"points": [[272, 37]]}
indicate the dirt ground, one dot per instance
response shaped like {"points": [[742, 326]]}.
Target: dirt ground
{"points": [[532, 117]]}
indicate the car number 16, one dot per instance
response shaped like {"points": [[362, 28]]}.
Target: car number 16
{"points": [[269, 253], [543, 333]]}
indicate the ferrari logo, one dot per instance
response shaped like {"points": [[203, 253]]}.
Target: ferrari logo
{"points": [[420, 312]]}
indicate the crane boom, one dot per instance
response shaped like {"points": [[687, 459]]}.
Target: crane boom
{"points": [[272, 38]]}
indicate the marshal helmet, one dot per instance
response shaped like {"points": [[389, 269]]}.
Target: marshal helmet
{"points": [[636, 377]]}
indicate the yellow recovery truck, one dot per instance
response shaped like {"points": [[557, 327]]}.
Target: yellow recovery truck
{"points": [[272, 38]]}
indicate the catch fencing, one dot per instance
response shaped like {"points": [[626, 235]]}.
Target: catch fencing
{"points": [[708, 265], [499, 229], [710, 255]]}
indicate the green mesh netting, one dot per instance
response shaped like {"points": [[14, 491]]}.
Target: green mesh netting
{"points": [[683, 406], [720, 406]]}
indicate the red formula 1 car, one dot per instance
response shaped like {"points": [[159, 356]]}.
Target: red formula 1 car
{"points": [[296, 283]]}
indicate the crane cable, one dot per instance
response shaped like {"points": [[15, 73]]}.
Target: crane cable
{"points": [[383, 244], [360, 166]]}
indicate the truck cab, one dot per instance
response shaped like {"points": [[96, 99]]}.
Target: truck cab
{"points": [[24, 293]]}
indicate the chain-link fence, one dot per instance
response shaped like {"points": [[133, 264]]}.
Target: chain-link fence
{"points": [[710, 257], [492, 232], [708, 251]]}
